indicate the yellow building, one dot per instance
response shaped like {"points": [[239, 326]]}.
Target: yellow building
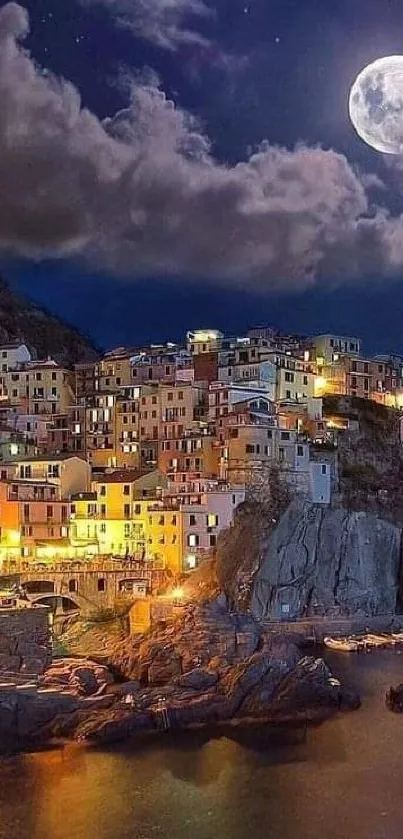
{"points": [[83, 523]]}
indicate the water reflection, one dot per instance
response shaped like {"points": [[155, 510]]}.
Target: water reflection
{"points": [[339, 780]]}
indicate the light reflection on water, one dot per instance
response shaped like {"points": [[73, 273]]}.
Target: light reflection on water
{"points": [[342, 780]]}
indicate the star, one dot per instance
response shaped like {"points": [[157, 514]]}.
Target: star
{"points": [[277, 39]]}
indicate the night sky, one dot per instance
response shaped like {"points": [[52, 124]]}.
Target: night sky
{"points": [[248, 201]]}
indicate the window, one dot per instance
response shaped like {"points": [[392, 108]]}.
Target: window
{"points": [[54, 377], [126, 511], [103, 510], [192, 520], [354, 366], [324, 469], [193, 540], [289, 377], [102, 528], [126, 489], [212, 520], [137, 509], [213, 540], [102, 490], [161, 521], [366, 367], [173, 521], [366, 384], [354, 381], [281, 455], [170, 396], [285, 435], [49, 513], [180, 395], [288, 394], [101, 584], [249, 448], [72, 586], [305, 380], [300, 451], [269, 435]]}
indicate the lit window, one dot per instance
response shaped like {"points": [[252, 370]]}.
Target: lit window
{"points": [[193, 540]]}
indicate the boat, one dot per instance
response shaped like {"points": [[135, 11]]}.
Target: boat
{"points": [[345, 645], [364, 642]]}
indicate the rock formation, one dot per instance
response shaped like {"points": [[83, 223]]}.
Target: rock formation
{"points": [[209, 666], [327, 561]]}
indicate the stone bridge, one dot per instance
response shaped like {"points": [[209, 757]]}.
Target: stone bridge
{"points": [[86, 590]]}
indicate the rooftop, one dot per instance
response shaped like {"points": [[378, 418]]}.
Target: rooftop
{"points": [[121, 476], [84, 496], [55, 458]]}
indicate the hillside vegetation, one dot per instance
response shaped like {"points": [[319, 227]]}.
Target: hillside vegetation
{"points": [[22, 319]]}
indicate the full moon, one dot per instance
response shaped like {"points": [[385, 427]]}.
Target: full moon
{"points": [[376, 104]]}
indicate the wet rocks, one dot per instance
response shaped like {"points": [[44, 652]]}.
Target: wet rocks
{"points": [[209, 667], [394, 699], [81, 677]]}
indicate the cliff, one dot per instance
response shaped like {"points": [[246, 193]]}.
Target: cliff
{"points": [[327, 561], [287, 560], [23, 320]]}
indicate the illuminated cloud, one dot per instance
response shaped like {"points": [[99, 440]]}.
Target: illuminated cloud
{"points": [[167, 23], [140, 194]]}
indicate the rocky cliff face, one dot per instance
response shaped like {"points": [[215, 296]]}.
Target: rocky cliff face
{"points": [[327, 561]]}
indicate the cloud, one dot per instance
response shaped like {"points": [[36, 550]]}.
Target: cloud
{"points": [[140, 194], [167, 23]]}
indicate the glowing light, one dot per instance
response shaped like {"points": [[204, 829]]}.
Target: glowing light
{"points": [[177, 593], [320, 385]]}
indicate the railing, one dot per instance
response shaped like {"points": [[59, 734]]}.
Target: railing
{"points": [[119, 565]]}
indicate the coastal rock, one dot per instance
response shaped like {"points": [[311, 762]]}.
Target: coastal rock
{"points": [[309, 691], [202, 634], [163, 669], [81, 676], [112, 726], [198, 679], [327, 561], [394, 699]]}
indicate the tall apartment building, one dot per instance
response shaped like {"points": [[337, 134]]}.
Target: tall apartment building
{"points": [[41, 388]]}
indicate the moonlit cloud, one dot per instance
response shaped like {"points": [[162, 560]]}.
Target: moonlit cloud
{"points": [[167, 23], [140, 194]]}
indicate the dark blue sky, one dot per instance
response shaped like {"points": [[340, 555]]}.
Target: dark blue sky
{"points": [[290, 67]]}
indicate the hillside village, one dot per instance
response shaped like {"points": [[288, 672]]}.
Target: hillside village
{"points": [[147, 452]]}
